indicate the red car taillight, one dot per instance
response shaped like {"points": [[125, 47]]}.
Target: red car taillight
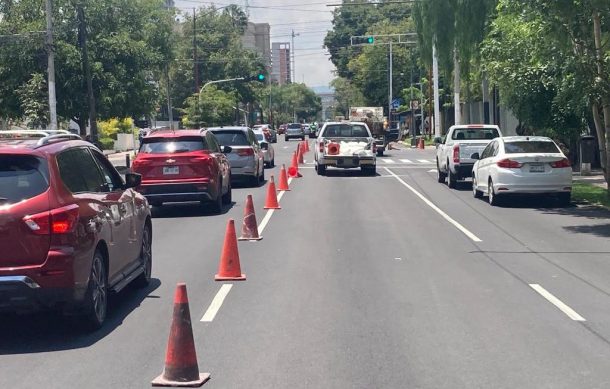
{"points": [[245, 152], [509, 164], [139, 162], [456, 153], [561, 163], [56, 221]]}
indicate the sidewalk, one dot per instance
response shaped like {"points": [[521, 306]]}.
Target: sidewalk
{"points": [[595, 178]]}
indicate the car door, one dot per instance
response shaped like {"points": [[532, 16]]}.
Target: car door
{"points": [[258, 152], [221, 159], [484, 165]]}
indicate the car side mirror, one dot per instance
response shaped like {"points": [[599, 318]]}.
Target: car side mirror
{"points": [[226, 149], [265, 146], [438, 140], [132, 180], [475, 156]]}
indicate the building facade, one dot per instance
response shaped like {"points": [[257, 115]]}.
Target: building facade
{"points": [[280, 63], [257, 38]]}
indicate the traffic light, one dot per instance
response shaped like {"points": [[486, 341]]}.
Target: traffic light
{"points": [[258, 77], [370, 39]]}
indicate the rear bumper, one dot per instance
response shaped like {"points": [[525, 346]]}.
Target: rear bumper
{"points": [[192, 190], [463, 170], [511, 182], [346, 162], [246, 172]]}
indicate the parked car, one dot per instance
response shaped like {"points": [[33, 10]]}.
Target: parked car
{"points": [[184, 165], [246, 156], [270, 134], [267, 148], [521, 165], [294, 130], [71, 230]]}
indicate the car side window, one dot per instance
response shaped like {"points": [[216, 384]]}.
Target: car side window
{"points": [[111, 177], [487, 151], [494, 149], [212, 143], [79, 171]]}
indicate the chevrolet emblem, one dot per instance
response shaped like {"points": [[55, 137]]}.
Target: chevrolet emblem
{"points": [[170, 160]]}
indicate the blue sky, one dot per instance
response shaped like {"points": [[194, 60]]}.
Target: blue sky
{"points": [[310, 20]]}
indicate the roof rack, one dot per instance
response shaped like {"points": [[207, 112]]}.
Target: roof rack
{"points": [[24, 133], [59, 137]]}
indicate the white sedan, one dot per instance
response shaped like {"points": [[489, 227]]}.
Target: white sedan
{"points": [[521, 165], [268, 151]]}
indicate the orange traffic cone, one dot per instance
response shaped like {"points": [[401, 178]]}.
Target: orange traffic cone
{"points": [[229, 268], [300, 154], [249, 229], [306, 146], [181, 369], [293, 170], [283, 185], [271, 202]]}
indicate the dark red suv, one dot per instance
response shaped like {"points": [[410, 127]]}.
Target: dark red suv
{"points": [[71, 229], [184, 165]]}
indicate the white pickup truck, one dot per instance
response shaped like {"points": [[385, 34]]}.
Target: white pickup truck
{"points": [[345, 145], [454, 151]]}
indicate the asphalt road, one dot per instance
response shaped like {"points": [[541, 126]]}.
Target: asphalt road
{"points": [[393, 281]]}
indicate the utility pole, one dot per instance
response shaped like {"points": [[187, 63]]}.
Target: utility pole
{"points": [[390, 91], [195, 64], [293, 77], [169, 100], [51, 67], [430, 101], [437, 109], [82, 41]]}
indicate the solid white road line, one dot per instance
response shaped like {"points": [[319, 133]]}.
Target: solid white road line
{"points": [[269, 213], [406, 161], [210, 314], [424, 161], [558, 303], [457, 225]]}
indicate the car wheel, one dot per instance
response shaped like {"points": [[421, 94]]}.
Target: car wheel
{"points": [[96, 298], [143, 279], [494, 199], [286, 139], [227, 198], [440, 176], [272, 163], [564, 199], [321, 170], [475, 192], [451, 179]]}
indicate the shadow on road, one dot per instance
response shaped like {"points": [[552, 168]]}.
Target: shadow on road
{"points": [[588, 212], [348, 173], [51, 331], [178, 210]]}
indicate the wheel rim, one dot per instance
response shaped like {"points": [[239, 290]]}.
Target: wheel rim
{"points": [[146, 253], [99, 290]]}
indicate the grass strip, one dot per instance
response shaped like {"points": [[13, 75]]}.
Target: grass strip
{"points": [[593, 194]]}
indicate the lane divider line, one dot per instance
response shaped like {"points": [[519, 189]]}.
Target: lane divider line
{"points": [[269, 213], [214, 307], [558, 303], [457, 225]]}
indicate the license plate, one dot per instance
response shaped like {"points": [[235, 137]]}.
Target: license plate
{"points": [[537, 168], [167, 170]]}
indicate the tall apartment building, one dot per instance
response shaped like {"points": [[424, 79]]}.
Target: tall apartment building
{"points": [[257, 38], [280, 63]]}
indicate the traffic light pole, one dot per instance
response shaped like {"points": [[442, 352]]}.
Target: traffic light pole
{"points": [[390, 81]]}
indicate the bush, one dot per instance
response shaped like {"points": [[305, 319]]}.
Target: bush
{"points": [[107, 143], [109, 128]]}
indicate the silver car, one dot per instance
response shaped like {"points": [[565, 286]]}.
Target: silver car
{"points": [[294, 130], [268, 151], [246, 156]]}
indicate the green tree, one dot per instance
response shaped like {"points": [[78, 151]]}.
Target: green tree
{"points": [[213, 107], [347, 95]]}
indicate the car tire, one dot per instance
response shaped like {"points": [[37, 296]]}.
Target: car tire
{"points": [[96, 297], [286, 139], [321, 169], [451, 179], [272, 163], [564, 199], [380, 153], [440, 176], [143, 279], [369, 170], [227, 198], [493, 198], [475, 192]]}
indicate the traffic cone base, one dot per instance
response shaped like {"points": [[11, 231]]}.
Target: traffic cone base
{"points": [[293, 172], [221, 278], [160, 381]]}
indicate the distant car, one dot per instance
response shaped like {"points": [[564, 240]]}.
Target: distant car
{"points": [[246, 156], [71, 230], [184, 165], [306, 129], [282, 129], [521, 165], [270, 134], [313, 130], [294, 130], [267, 148]]}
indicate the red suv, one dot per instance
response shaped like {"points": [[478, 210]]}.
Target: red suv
{"points": [[184, 165], [71, 229]]}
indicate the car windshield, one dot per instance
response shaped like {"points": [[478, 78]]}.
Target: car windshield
{"points": [[21, 178], [345, 131], [475, 133], [173, 145], [232, 138], [296, 126], [530, 147]]}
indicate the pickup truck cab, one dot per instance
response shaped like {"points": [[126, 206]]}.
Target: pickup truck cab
{"points": [[345, 145], [454, 151]]}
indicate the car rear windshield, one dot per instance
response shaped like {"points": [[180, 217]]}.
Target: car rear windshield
{"points": [[21, 178], [183, 144], [345, 131], [294, 125], [475, 133], [530, 147], [260, 137], [232, 138]]}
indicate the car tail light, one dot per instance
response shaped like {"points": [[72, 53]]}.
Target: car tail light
{"points": [[139, 162], [321, 147], [456, 153], [509, 164], [561, 163], [245, 152], [200, 158], [56, 221]]}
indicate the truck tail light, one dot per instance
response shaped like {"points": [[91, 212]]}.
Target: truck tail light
{"points": [[509, 164], [321, 147], [561, 163], [456, 153], [56, 221]]}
